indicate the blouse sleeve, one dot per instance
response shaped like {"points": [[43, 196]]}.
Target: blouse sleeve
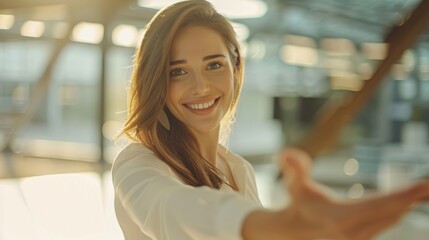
{"points": [[165, 208]]}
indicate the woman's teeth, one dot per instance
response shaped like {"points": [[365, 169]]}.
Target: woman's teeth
{"points": [[201, 106]]}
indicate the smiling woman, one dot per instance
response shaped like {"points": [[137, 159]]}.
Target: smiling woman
{"points": [[198, 60], [187, 79], [176, 181], [201, 86]]}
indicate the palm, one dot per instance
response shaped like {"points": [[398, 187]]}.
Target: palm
{"points": [[325, 216]]}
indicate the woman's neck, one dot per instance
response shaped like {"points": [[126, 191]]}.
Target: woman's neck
{"points": [[208, 143]]}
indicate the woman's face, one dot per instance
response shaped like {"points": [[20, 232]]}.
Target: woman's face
{"points": [[201, 83]]}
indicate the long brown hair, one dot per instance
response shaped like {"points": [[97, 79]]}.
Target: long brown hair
{"points": [[177, 147]]}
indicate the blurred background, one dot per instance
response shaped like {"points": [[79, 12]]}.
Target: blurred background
{"points": [[65, 66]]}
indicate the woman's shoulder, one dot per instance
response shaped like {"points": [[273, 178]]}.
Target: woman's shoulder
{"points": [[137, 155], [134, 150]]}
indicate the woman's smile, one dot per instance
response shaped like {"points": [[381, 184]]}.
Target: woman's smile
{"points": [[202, 107]]}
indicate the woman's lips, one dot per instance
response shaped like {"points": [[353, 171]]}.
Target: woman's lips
{"points": [[203, 107]]}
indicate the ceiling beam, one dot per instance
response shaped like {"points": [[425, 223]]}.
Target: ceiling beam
{"points": [[17, 4]]}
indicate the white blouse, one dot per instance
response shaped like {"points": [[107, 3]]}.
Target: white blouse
{"points": [[151, 202]]}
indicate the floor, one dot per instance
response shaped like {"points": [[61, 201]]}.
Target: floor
{"points": [[51, 199]]}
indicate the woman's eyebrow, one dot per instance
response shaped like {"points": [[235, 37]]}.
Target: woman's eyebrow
{"points": [[209, 57], [177, 62], [213, 56]]}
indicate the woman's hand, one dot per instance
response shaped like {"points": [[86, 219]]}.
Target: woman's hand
{"points": [[314, 213]]}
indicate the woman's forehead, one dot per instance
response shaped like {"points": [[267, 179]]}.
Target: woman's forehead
{"points": [[197, 41]]}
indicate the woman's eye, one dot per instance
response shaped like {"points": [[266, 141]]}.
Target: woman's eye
{"points": [[214, 66], [177, 72]]}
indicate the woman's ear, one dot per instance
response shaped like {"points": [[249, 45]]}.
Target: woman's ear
{"points": [[237, 59]]}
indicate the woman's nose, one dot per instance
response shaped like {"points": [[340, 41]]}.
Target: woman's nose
{"points": [[201, 85]]}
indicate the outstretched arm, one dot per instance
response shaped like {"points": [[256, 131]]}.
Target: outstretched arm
{"points": [[315, 214]]}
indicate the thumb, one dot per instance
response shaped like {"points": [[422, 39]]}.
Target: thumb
{"points": [[295, 165], [294, 169], [296, 159]]}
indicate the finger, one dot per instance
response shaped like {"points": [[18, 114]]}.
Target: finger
{"points": [[374, 229], [296, 167], [377, 225], [384, 202], [300, 186], [407, 195], [365, 224], [293, 177], [384, 206], [299, 154], [297, 160]]}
